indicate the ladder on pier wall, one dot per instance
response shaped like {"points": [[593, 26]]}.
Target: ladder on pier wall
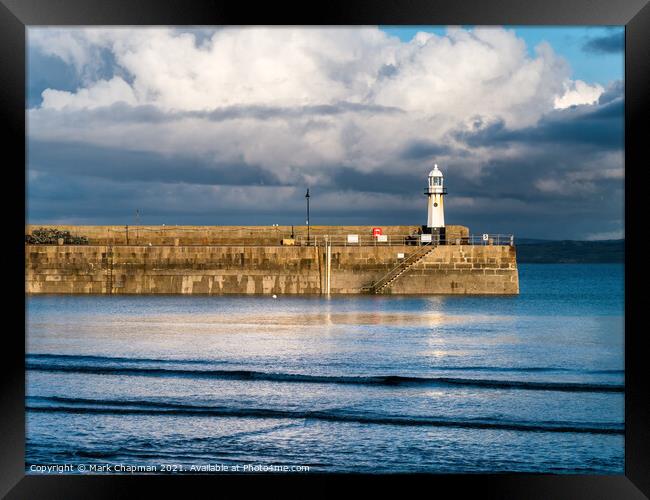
{"points": [[387, 279]]}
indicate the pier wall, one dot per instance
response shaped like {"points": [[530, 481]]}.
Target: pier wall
{"points": [[226, 235], [225, 269]]}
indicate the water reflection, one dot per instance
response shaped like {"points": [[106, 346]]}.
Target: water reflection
{"points": [[259, 366]]}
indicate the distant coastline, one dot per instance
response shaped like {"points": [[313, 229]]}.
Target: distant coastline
{"points": [[532, 251]]}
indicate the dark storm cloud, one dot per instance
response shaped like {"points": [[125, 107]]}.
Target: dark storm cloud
{"points": [[122, 112], [514, 178], [410, 180], [615, 90], [103, 201], [271, 112], [55, 197], [92, 184], [568, 159], [348, 178], [606, 44], [518, 179], [507, 197], [505, 200], [594, 126], [558, 179], [83, 160], [423, 149]]}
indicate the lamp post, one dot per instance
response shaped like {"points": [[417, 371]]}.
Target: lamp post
{"points": [[137, 223], [307, 196]]}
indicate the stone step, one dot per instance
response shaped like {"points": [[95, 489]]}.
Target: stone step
{"points": [[402, 271]]}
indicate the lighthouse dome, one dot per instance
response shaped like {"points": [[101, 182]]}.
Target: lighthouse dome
{"points": [[435, 172]]}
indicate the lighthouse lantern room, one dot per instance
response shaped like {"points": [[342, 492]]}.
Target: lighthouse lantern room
{"points": [[435, 209]]}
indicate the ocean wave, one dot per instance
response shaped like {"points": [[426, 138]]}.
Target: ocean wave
{"points": [[122, 407], [115, 359], [379, 380], [165, 361]]}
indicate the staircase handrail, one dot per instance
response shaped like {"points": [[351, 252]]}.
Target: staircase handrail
{"points": [[403, 263]]}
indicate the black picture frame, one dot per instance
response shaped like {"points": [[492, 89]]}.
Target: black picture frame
{"points": [[16, 15]]}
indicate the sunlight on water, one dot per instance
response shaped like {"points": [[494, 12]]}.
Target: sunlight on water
{"points": [[368, 384]]}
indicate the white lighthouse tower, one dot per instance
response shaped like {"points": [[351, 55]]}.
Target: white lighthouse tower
{"points": [[436, 207]]}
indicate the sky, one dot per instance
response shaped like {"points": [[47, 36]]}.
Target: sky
{"points": [[230, 126]]}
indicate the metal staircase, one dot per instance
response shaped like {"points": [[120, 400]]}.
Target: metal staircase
{"points": [[388, 278]]}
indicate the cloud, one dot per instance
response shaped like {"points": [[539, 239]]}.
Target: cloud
{"points": [[607, 44], [614, 91], [230, 122], [423, 149], [287, 66], [595, 126], [73, 159], [100, 94], [302, 94], [578, 92]]}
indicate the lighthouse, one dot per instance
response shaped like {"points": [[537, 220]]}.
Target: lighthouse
{"points": [[436, 208]]}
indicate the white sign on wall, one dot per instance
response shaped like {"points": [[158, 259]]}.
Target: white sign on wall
{"points": [[382, 237], [400, 255], [485, 236], [425, 238], [353, 238]]}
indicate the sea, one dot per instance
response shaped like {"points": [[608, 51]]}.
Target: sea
{"points": [[345, 384]]}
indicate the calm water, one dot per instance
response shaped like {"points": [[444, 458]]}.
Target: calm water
{"points": [[361, 384]]}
